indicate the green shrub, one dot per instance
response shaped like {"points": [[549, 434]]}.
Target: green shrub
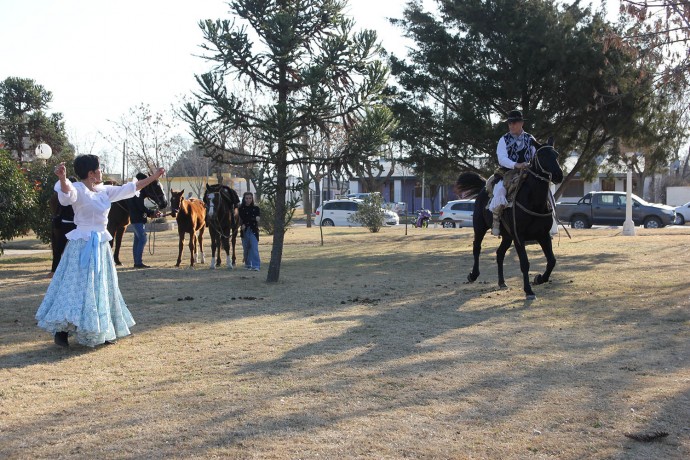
{"points": [[17, 199], [268, 213], [369, 213]]}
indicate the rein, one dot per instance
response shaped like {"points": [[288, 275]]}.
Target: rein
{"points": [[536, 164]]}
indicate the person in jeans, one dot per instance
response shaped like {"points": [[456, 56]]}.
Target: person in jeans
{"points": [[249, 217], [138, 212]]}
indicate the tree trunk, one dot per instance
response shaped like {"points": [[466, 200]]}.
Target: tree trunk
{"points": [[281, 181], [279, 221], [306, 197]]}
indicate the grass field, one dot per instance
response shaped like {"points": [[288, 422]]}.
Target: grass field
{"points": [[370, 346]]}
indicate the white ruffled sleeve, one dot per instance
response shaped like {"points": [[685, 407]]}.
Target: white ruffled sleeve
{"points": [[69, 198], [122, 192]]}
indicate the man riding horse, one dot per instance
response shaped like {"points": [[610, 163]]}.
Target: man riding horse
{"points": [[515, 150]]}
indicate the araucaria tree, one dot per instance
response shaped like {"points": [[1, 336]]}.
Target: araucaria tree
{"points": [[309, 68]]}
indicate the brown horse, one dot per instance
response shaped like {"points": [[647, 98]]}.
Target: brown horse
{"points": [[222, 221], [191, 218], [118, 217]]}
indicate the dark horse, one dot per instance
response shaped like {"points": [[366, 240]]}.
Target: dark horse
{"points": [[191, 218], [118, 217], [528, 220], [222, 221]]}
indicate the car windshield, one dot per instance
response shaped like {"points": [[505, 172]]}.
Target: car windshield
{"points": [[638, 199]]}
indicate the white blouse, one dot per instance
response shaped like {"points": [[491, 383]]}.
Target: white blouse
{"points": [[91, 208]]}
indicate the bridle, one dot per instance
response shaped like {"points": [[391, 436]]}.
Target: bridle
{"points": [[541, 174], [544, 176], [214, 216]]}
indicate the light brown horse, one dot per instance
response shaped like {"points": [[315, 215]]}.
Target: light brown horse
{"points": [[191, 218]]}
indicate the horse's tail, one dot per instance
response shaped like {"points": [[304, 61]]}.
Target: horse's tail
{"points": [[469, 184]]}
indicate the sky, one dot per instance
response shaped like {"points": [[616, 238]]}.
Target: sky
{"points": [[100, 58]]}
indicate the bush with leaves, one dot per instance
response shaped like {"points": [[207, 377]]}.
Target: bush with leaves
{"points": [[370, 213], [17, 198], [268, 215]]}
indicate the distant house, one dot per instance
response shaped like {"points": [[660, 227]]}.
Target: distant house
{"points": [[610, 178], [403, 185]]}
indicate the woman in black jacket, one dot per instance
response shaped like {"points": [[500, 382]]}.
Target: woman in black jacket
{"points": [[250, 215]]}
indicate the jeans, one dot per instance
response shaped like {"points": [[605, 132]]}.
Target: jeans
{"points": [[139, 242], [251, 250]]}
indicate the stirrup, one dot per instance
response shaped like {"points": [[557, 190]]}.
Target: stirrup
{"points": [[496, 228]]}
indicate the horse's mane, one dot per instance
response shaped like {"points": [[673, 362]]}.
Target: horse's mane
{"points": [[469, 185]]}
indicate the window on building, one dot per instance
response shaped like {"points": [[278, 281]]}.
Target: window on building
{"points": [[608, 184], [574, 188]]}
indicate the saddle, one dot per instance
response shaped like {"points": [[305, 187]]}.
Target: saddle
{"points": [[512, 180]]}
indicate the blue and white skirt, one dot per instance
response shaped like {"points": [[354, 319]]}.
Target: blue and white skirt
{"points": [[84, 298]]}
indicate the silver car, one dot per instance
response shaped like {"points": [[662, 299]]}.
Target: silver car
{"points": [[457, 213], [683, 214], [336, 213]]}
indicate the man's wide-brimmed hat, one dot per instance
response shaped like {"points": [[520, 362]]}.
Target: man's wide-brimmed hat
{"points": [[514, 115]]}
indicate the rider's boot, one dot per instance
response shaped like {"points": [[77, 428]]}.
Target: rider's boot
{"points": [[496, 227]]}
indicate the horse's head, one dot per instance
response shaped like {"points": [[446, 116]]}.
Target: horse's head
{"points": [[219, 199], [176, 199], [545, 163], [212, 200], [155, 193]]}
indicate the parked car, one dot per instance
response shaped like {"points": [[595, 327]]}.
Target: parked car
{"points": [[457, 213], [683, 214], [337, 212], [608, 208], [357, 196], [398, 207]]}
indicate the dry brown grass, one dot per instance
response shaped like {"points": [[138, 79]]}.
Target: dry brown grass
{"points": [[371, 346]]}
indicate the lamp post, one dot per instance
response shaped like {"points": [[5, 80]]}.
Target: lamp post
{"points": [[629, 225], [43, 151]]}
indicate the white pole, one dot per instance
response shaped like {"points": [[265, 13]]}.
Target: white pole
{"points": [[629, 225]]}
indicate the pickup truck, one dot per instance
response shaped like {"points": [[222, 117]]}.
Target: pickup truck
{"points": [[608, 208]]}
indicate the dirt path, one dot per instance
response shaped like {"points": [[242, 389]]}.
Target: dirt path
{"points": [[371, 346]]}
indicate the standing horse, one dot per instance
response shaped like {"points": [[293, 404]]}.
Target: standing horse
{"points": [[191, 218], [222, 221], [118, 217], [528, 220]]}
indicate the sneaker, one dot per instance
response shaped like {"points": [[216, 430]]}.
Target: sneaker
{"points": [[255, 269], [61, 339], [141, 266]]}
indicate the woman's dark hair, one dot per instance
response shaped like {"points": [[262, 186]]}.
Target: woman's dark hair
{"points": [[245, 194], [85, 163]]}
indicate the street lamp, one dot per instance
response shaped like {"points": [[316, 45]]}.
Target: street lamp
{"points": [[43, 151], [629, 225]]}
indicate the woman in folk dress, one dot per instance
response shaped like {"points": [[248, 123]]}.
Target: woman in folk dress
{"points": [[83, 297]]}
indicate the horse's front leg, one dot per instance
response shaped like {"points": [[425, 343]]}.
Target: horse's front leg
{"points": [[234, 242], [201, 244], [547, 247], [524, 268], [118, 243], [215, 246], [506, 241], [181, 248], [192, 248], [225, 242], [476, 251], [226, 248]]}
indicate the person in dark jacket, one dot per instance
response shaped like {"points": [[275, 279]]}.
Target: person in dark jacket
{"points": [[63, 223], [138, 213], [250, 215]]}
